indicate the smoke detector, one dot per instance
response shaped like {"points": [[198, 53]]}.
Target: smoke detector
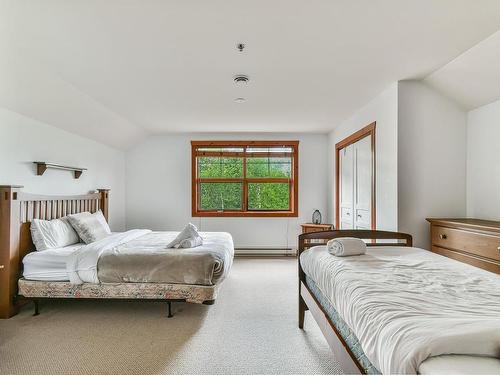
{"points": [[241, 79], [240, 100]]}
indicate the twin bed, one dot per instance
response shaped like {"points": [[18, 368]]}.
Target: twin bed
{"points": [[399, 309], [130, 265]]}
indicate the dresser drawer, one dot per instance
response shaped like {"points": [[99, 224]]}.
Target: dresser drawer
{"points": [[488, 265], [471, 242]]}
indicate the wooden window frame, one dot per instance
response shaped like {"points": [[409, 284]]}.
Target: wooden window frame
{"points": [[367, 131], [293, 181]]}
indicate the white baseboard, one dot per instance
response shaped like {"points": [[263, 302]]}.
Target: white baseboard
{"points": [[264, 251]]}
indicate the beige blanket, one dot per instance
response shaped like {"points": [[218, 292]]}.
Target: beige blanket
{"points": [[146, 259], [142, 256]]}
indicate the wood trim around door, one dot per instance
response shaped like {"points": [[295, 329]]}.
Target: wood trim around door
{"points": [[367, 131]]}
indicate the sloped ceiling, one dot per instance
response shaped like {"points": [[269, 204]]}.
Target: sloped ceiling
{"points": [[473, 78], [117, 70]]}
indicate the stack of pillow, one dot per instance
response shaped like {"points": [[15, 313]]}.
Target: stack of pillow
{"points": [[83, 227]]}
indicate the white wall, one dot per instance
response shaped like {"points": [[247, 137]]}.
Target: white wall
{"points": [[483, 162], [23, 140], [159, 189], [384, 110], [431, 159]]}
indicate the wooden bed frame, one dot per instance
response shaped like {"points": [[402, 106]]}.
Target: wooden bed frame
{"points": [[18, 208], [307, 300]]}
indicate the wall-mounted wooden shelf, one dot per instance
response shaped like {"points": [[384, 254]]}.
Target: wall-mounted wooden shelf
{"points": [[42, 166]]}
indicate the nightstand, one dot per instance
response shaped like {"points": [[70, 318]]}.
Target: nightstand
{"points": [[310, 227]]}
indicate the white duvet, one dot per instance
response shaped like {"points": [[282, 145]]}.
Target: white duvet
{"points": [[406, 304], [48, 265]]}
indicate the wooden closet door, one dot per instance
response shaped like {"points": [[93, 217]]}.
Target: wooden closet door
{"points": [[355, 180]]}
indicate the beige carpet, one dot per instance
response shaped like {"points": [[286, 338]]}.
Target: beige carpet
{"points": [[251, 329]]}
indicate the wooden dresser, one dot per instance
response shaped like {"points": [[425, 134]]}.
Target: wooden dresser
{"points": [[472, 241]]}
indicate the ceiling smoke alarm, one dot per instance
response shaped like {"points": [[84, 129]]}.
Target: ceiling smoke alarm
{"points": [[240, 100], [241, 79]]}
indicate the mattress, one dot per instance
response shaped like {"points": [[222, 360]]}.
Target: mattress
{"points": [[345, 331], [48, 265], [139, 260], [460, 365], [404, 305], [439, 365]]}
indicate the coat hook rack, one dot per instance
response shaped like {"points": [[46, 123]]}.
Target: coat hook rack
{"points": [[42, 166]]}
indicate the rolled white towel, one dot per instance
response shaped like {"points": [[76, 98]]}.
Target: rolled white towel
{"points": [[188, 237], [190, 242], [346, 246]]}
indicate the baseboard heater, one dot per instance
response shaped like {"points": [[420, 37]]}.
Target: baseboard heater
{"points": [[265, 251]]}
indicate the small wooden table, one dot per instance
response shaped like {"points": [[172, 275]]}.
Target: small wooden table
{"points": [[310, 227]]}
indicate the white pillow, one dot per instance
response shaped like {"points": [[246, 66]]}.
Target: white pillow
{"points": [[51, 234], [90, 227], [99, 216]]}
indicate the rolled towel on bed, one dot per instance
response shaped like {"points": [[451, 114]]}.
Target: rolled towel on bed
{"points": [[187, 238], [191, 242], [346, 246]]}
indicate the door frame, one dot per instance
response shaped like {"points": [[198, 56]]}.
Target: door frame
{"points": [[367, 131]]}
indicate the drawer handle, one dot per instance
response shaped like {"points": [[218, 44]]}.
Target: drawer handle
{"points": [[443, 236], [348, 213], [498, 249], [2, 266]]}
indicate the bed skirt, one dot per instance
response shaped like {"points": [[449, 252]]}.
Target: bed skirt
{"points": [[64, 289]]}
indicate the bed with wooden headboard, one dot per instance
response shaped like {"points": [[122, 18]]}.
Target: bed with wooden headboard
{"points": [[17, 209], [347, 349]]}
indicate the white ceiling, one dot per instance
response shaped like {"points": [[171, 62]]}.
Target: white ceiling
{"points": [[473, 78], [117, 70]]}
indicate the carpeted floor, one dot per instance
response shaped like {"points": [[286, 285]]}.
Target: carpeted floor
{"points": [[251, 329]]}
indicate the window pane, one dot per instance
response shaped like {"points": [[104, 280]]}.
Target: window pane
{"points": [[218, 167], [220, 149], [269, 167], [220, 196], [268, 196]]}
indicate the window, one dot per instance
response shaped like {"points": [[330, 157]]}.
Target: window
{"points": [[245, 178]]}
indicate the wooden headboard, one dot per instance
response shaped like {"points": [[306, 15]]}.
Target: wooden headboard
{"points": [[17, 209], [307, 240]]}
